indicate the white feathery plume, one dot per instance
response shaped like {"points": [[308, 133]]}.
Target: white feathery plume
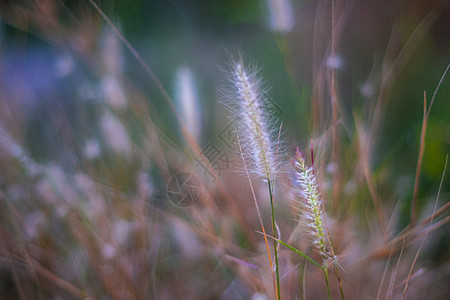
{"points": [[254, 129], [307, 188]]}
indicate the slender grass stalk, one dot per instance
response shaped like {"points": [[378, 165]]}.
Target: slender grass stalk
{"points": [[426, 115], [394, 273], [341, 289], [323, 267], [275, 244], [247, 103], [335, 106], [258, 213], [428, 229], [304, 282], [327, 281]]}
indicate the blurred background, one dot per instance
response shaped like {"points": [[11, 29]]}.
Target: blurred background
{"points": [[91, 135]]}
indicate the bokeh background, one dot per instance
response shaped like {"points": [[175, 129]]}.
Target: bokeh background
{"points": [[65, 75]]}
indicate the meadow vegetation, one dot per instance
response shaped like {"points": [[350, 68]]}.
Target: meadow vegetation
{"points": [[224, 149]]}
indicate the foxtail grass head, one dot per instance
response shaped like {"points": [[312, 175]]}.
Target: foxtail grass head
{"points": [[306, 186], [255, 125]]}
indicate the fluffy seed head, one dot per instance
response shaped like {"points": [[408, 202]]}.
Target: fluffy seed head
{"points": [[253, 127], [306, 186]]}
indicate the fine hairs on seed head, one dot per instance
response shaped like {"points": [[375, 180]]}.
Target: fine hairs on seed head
{"points": [[246, 100], [306, 186]]}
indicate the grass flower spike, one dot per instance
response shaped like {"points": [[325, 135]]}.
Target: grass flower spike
{"points": [[306, 184], [256, 135], [253, 122]]}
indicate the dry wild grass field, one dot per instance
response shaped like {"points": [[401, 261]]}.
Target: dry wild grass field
{"points": [[224, 149]]}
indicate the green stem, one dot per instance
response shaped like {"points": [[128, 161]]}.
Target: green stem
{"points": [[275, 234], [328, 283], [341, 289], [324, 268]]}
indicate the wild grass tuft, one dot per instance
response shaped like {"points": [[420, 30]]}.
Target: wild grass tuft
{"points": [[92, 162]]}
